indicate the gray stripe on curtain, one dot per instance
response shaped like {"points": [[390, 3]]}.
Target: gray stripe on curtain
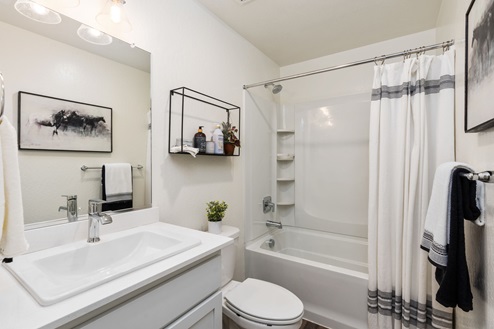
{"points": [[411, 314], [423, 86]]}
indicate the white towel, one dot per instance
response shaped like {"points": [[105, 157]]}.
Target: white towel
{"points": [[436, 228], [480, 198], [118, 181], [191, 150], [12, 239]]}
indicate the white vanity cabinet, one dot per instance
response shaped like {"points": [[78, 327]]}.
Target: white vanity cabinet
{"points": [[190, 299]]}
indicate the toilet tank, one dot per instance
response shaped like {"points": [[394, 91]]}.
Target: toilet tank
{"points": [[228, 254]]}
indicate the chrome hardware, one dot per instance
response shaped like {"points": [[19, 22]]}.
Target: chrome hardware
{"points": [[270, 243], [484, 176], [267, 205], [95, 217], [271, 223], [71, 207]]}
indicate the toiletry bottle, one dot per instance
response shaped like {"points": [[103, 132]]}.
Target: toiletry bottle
{"points": [[218, 140], [200, 140]]}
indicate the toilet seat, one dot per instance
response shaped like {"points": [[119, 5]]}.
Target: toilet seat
{"points": [[264, 302]]}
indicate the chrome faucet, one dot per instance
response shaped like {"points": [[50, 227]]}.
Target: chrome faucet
{"points": [[71, 207], [267, 205], [95, 217], [271, 223]]}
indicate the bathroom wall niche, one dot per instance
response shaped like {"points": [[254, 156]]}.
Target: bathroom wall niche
{"points": [[53, 60]]}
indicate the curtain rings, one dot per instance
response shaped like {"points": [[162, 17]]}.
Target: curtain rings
{"points": [[420, 51], [380, 58], [446, 45], [407, 54]]}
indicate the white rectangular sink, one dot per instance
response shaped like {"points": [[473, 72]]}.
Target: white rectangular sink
{"points": [[58, 273]]}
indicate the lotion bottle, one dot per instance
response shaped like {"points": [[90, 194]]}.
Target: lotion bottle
{"points": [[218, 140], [200, 140]]}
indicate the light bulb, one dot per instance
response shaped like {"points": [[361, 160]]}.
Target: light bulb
{"points": [[113, 16], [116, 13]]}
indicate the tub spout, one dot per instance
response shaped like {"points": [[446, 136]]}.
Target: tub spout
{"points": [[271, 223]]}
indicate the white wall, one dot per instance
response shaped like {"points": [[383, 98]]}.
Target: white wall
{"points": [[331, 120], [39, 65], [477, 149], [190, 47]]}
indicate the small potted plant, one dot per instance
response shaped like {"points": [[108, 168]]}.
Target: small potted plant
{"points": [[230, 139], [215, 212]]}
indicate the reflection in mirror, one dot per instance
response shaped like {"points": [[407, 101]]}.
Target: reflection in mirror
{"points": [[51, 60]]}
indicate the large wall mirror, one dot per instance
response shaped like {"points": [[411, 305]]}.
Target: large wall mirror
{"points": [[52, 60]]}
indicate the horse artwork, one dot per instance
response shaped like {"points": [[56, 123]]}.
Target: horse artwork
{"points": [[479, 75], [55, 124]]}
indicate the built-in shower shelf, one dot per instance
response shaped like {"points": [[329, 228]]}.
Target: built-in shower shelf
{"points": [[285, 131], [285, 203], [285, 179]]}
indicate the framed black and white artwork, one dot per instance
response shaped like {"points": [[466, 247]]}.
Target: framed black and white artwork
{"points": [[479, 66], [55, 124]]}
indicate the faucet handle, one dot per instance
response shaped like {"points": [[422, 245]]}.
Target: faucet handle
{"points": [[95, 205], [70, 197]]}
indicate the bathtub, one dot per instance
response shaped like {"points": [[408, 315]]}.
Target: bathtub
{"points": [[328, 272]]}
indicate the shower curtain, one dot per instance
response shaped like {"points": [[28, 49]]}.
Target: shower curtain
{"points": [[411, 133]]}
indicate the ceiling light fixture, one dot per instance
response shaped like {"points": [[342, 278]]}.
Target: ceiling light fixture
{"points": [[113, 14], [37, 12], [93, 35]]}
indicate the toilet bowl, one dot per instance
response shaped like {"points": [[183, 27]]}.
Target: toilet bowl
{"points": [[255, 304]]}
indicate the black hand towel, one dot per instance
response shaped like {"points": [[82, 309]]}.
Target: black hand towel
{"points": [[454, 282]]}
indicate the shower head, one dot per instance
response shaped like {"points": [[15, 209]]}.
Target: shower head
{"points": [[275, 89]]}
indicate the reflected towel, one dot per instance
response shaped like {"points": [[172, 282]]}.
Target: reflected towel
{"points": [[12, 239], [117, 186]]}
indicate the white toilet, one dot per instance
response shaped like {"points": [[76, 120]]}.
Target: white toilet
{"points": [[255, 304]]}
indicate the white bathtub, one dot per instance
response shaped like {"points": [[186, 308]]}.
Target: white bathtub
{"points": [[328, 272]]}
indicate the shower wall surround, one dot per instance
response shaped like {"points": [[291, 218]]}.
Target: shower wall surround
{"points": [[330, 116]]}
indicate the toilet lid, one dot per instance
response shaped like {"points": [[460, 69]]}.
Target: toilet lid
{"points": [[264, 301]]}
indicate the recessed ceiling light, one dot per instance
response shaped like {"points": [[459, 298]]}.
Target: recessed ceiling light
{"points": [[93, 35], [37, 12]]}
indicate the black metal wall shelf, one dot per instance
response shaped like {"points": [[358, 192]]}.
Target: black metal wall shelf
{"points": [[178, 98]]}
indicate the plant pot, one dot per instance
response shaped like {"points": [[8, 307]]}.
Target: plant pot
{"points": [[229, 148], [214, 227]]}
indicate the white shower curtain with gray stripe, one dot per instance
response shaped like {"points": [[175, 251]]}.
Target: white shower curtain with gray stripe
{"points": [[411, 133]]}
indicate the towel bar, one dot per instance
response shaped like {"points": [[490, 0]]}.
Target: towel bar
{"points": [[84, 167], [484, 176]]}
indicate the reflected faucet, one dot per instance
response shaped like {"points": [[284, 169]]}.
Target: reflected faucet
{"points": [[71, 207], [95, 217]]}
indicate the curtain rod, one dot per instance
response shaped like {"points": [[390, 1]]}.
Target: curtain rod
{"points": [[444, 45]]}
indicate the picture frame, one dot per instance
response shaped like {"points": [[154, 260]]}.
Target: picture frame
{"points": [[479, 66], [49, 123]]}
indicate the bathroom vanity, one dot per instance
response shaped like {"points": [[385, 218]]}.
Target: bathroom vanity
{"points": [[181, 291]]}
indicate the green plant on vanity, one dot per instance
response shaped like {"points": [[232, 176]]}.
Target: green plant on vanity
{"points": [[216, 210]]}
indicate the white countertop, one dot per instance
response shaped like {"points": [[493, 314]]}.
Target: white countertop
{"points": [[18, 309]]}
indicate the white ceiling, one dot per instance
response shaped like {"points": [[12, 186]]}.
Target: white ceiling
{"points": [[291, 31]]}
